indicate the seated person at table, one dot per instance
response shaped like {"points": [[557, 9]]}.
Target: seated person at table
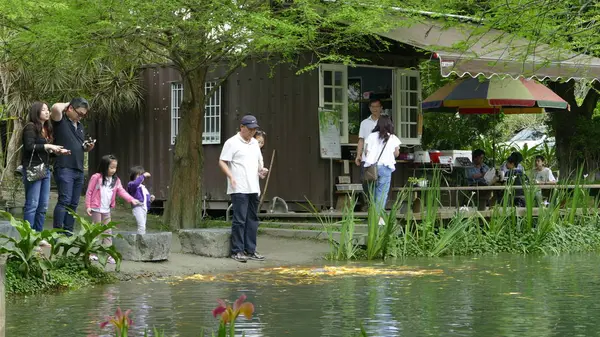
{"points": [[517, 158], [515, 177], [476, 174], [541, 174], [476, 177]]}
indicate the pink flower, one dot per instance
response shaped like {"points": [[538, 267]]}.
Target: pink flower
{"points": [[229, 314], [120, 321]]}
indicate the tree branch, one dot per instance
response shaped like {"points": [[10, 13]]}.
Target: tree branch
{"points": [[591, 99]]}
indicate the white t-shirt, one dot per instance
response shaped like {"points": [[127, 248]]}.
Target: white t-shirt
{"points": [[243, 158], [366, 127], [106, 194], [543, 176], [374, 145]]}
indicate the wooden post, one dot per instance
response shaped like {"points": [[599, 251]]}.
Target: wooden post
{"points": [[2, 305]]}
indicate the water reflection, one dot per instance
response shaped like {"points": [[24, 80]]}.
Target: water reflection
{"points": [[497, 296]]}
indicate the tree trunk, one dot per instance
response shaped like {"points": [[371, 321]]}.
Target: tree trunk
{"points": [[184, 204], [565, 125], [13, 151]]}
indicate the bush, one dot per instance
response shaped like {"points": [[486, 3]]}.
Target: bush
{"points": [[29, 271], [68, 273]]}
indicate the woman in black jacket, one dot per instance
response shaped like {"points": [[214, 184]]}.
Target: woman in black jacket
{"points": [[37, 147]]}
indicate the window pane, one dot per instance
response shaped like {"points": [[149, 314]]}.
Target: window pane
{"points": [[327, 77], [338, 95], [413, 83], [328, 106], [413, 130], [338, 78], [413, 99], [413, 115], [328, 94]]}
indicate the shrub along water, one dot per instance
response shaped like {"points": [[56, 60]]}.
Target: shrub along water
{"points": [[68, 266], [568, 221]]}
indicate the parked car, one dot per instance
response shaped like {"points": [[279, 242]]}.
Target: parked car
{"points": [[531, 137]]}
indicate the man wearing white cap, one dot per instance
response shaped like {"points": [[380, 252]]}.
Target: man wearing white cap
{"points": [[240, 161]]}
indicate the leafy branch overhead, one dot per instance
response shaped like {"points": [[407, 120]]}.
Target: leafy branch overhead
{"points": [[192, 34]]}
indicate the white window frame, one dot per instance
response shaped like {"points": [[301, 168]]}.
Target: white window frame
{"points": [[211, 133], [343, 105], [402, 106], [176, 98], [212, 115]]}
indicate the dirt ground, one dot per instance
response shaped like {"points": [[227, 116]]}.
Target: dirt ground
{"points": [[278, 251]]}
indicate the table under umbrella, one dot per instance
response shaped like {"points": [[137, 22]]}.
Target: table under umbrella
{"points": [[494, 96]]}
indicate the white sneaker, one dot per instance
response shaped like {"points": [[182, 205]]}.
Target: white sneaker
{"points": [[45, 243], [111, 260], [93, 257]]}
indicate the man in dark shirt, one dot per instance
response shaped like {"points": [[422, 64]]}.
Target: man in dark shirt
{"points": [[68, 170]]}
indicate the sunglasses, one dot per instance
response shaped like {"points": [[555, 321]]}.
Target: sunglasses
{"points": [[80, 113]]}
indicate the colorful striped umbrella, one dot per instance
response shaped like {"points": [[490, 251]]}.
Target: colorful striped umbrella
{"points": [[506, 95]]}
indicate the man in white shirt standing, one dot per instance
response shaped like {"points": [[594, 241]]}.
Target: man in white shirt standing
{"points": [[240, 161], [366, 127]]}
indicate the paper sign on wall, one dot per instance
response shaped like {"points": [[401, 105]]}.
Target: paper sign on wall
{"points": [[329, 134]]}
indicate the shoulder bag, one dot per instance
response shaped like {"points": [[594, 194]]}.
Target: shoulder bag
{"points": [[38, 172], [371, 173]]}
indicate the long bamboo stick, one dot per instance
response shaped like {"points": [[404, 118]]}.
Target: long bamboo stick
{"points": [[262, 197]]}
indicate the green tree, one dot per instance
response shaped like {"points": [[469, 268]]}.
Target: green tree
{"points": [[213, 38], [569, 25], [40, 59]]}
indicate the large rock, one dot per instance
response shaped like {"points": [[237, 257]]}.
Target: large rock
{"points": [[7, 229], [212, 242], [144, 247]]}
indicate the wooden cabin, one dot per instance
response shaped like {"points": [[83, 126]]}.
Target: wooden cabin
{"points": [[287, 106]]}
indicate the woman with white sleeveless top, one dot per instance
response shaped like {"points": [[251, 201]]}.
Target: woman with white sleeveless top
{"points": [[382, 147]]}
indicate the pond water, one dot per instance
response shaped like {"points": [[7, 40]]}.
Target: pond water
{"points": [[491, 296]]}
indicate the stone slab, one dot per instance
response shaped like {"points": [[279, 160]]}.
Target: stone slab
{"points": [[7, 229], [144, 247], [360, 238], [211, 242]]}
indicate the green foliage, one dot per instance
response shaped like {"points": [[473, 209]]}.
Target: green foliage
{"points": [[67, 273], [68, 266], [346, 247], [378, 237], [88, 241], [568, 222], [24, 251], [586, 142]]}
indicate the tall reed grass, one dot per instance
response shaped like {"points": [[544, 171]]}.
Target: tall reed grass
{"points": [[568, 221]]}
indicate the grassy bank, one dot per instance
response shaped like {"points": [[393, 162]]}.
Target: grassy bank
{"points": [[67, 266], [569, 221], [67, 274]]}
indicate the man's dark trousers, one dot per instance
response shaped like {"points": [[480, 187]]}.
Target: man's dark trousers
{"points": [[244, 226]]}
